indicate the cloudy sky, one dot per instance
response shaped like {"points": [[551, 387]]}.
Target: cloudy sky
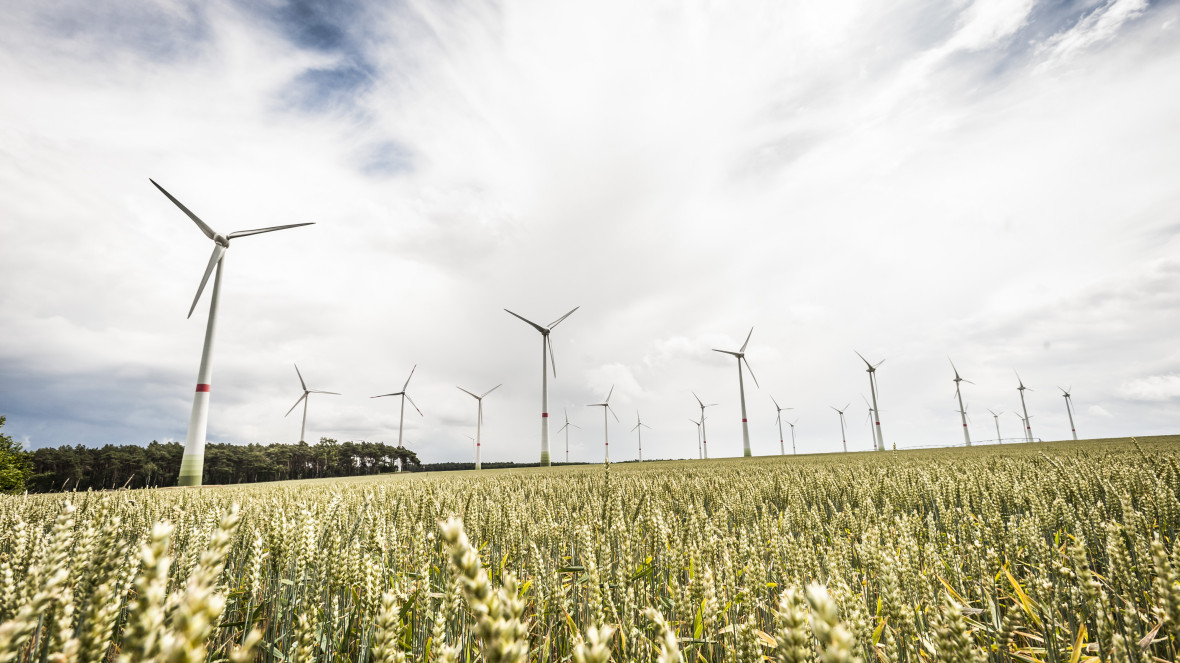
{"points": [[996, 181]]}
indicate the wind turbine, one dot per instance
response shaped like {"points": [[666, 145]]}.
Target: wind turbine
{"points": [[1069, 410], [479, 420], [1027, 426], [999, 439], [605, 405], [792, 425], [192, 463], [405, 396], [779, 419], [304, 399], [959, 395], [704, 431], [872, 370], [1024, 422], [698, 423], [546, 355], [869, 420], [639, 426], [566, 428], [842, 436], [741, 358]]}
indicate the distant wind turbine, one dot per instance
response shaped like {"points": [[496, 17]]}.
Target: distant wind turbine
{"points": [[605, 405], [405, 397], [1024, 422], [741, 358], [478, 420], [546, 355], [959, 395], [996, 416], [639, 426], [792, 425], [699, 456], [1069, 411], [840, 412], [192, 463], [303, 399], [566, 427], [704, 431], [1027, 426], [869, 419], [872, 371], [779, 420]]}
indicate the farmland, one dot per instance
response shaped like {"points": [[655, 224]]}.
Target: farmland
{"points": [[1041, 552]]}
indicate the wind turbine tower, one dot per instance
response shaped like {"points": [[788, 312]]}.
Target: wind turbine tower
{"points": [[872, 371], [959, 395], [741, 358], [1069, 411], [843, 438], [999, 439], [566, 427], [704, 431], [479, 419], [405, 396], [779, 419], [192, 463], [546, 355], [699, 456], [639, 426], [605, 405], [1027, 427], [304, 399], [792, 425]]}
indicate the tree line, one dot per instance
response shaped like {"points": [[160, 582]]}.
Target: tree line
{"points": [[158, 464]]}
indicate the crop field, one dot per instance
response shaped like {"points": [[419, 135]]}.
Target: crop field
{"points": [[1044, 552]]}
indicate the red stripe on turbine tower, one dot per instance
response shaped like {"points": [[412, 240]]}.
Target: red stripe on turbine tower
{"points": [[202, 387], [743, 421], [544, 414]]}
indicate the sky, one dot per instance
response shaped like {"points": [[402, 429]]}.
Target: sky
{"points": [[995, 182]]}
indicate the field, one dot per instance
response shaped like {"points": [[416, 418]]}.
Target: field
{"points": [[1044, 552]]}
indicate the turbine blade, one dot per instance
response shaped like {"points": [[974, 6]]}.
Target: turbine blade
{"points": [[633, 428], [218, 252], [612, 412], [259, 231], [776, 405], [414, 404], [492, 389], [535, 325], [747, 340], [751, 373], [728, 352], [384, 395], [301, 382], [608, 394], [554, 323], [467, 392], [879, 363], [407, 384], [552, 359], [694, 395], [314, 391], [200, 224], [862, 358], [296, 403]]}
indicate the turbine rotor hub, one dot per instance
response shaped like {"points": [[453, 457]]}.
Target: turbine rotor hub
{"points": [[221, 239]]}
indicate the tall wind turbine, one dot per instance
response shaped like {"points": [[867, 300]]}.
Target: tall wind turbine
{"points": [[405, 396], [779, 419], [546, 355], [741, 358], [872, 371], [792, 425], [704, 431], [1027, 427], [479, 419], [999, 439], [959, 395], [304, 399], [1069, 410], [840, 412], [639, 426], [698, 423], [605, 405], [566, 427], [192, 463]]}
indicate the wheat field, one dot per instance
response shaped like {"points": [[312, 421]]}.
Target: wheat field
{"points": [[1046, 552]]}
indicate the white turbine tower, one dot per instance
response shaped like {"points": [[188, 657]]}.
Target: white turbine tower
{"points": [[1027, 426], [872, 371], [1069, 411], [996, 416], [741, 358], [605, 405], [699, 456], [479, 418], [843, 438], [192, 463], [704, 430], [779, 420], [639, 426], [546, 355], [405, 396], [869, 420], [304, 399], [959, 395], [566, 427], [792, 425], [1024, 422]]}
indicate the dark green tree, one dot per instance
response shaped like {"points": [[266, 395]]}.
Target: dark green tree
{"points": [[15, 463]]}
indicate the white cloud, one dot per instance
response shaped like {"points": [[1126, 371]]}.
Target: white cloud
{"points": [[1100, 25], [1152, 388]]}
